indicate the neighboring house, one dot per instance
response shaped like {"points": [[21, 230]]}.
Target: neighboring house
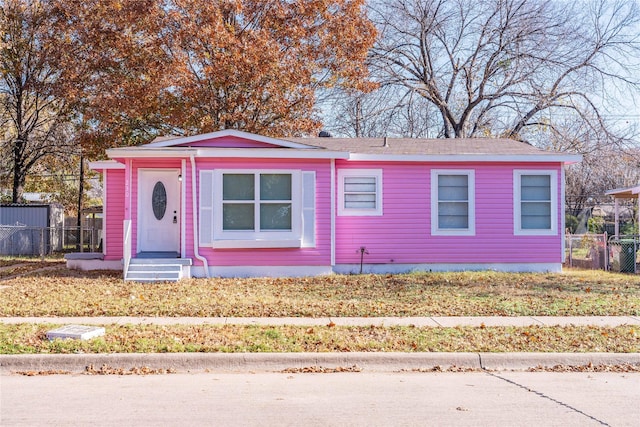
{"points": [[628, 193], [231, 203]]}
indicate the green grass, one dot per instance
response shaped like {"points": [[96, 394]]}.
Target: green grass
{"points": [[31, 338]]}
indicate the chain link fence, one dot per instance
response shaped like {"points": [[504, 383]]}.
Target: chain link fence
{"points": [[601, 252], [623, 253], [21, 240], [587, 251]]}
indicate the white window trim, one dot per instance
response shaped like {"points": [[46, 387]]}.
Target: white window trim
{"points": [[517, 213], [368, 173], [471, 194], [257, 238]]}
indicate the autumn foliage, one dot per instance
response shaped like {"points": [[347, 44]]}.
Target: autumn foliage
{"points": [[77, 77], [148, 67]]}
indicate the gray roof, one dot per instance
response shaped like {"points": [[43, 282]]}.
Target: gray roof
{"points": [[412, 146]]}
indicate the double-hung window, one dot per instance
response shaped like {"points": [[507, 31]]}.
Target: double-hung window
{"points": [[360, 192], [452, 202], [535, 202], [257, 202], [257, 208]]}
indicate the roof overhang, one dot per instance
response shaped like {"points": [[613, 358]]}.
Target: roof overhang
{"points": [[200, 152], [292, 153], [105, 164], [484, 158], [624, 193]]}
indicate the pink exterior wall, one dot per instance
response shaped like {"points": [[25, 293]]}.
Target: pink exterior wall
{"points": [[317, 256], [402, 235], [114, 213], [229, 142]]}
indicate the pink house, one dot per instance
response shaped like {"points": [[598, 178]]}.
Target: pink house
{"points": [[231, 203]]}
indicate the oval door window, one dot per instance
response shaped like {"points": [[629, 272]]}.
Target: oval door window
{"points": [[159, 200]]}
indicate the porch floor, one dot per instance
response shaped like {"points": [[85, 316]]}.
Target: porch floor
{"points": [[158, 255]]}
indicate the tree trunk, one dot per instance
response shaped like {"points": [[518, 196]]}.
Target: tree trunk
{"points": [[18, 179], [80, 195]]}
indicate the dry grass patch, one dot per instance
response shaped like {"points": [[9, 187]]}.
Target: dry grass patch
{"points": [[573, 293], [23, 267], [30, 338]]}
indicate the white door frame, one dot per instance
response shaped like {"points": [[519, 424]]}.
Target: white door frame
{"points": [[174, 205]]}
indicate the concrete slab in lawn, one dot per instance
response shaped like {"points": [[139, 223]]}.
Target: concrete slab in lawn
{"points": [[78, 332]]}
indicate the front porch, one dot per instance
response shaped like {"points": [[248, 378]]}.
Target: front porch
{"points": [[144, 267]]}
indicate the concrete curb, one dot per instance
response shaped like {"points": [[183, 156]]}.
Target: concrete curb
{"points": [[524, 361], [238, 362], [276, 362]]}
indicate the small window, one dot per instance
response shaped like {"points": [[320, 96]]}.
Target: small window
{"points": [[360, 192], [159, 200], [452, 202], [535, 202]]}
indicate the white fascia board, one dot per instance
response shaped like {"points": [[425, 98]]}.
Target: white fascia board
{"points": [[271, 153], [229, 132], [105, 164], [251, 153], [521, 158], [138, 152]]}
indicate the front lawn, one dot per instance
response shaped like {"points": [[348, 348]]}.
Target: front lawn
{"points": [[572, 293], [62, 292]]}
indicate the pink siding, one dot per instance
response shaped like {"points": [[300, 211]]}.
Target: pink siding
{"points": [[114, 213], [318, 256], [228, 142], [402, 235]]}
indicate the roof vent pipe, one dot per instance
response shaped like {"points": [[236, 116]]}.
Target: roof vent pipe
{"points": [[386, 142]]}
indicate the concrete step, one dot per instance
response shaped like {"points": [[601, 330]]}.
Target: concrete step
{"points": [[154, 276], [156, 269]]}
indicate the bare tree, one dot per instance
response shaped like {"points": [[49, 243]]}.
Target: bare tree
{"points": [[500, 67], [34, 122], [387, 111]]}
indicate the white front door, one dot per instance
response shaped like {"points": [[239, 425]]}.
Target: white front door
{"points": [[159, 210]]}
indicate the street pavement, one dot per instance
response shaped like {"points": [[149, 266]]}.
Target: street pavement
{"points": [[335, 399], [367, 361]]}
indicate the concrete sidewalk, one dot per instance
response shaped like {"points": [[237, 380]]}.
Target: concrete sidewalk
{"points": [[432, 321]]}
